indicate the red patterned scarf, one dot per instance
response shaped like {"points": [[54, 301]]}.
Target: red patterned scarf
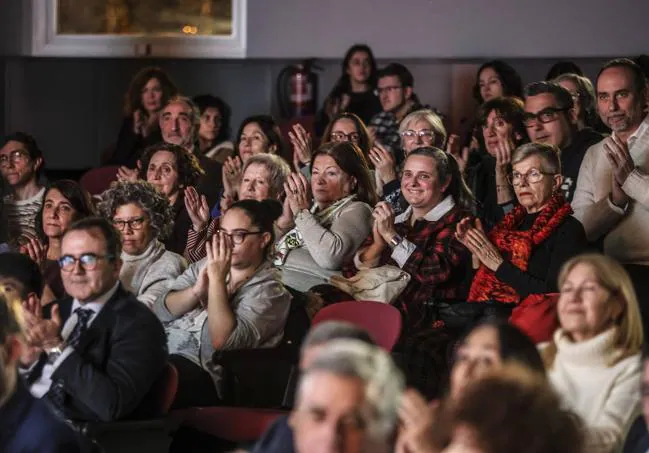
{"points": [[516, 246]]}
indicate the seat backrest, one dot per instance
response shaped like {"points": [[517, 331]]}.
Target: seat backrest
{"points": [[382, 321], [162, 393], [97, 180]]}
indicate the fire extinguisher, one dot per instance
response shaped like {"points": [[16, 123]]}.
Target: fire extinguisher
{"points": [[297, 90]]}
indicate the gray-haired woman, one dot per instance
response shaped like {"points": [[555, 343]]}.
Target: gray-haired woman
{"points": [[144, 217]]}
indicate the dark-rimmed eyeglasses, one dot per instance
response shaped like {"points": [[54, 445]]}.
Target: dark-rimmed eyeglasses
{"points": [[88, 261], [342, 137], [238, 236], [15, 157], [380, 91], [132, 224], [546, 115], [532, 177], [426, 135]]}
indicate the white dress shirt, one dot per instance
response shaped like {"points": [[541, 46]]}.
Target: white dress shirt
{"points": [[42, 385]]}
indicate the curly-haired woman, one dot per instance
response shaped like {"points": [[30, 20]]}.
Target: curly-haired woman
{"points": [[143, 216]]}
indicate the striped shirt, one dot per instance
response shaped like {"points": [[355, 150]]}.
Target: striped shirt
{"points": [[20, 215]]}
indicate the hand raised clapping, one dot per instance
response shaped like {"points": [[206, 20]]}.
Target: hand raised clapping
{"points": [[232, 173], [298, 192], [197, 208], [219, 256], [384, 220], [302, 146], [476, 241]]}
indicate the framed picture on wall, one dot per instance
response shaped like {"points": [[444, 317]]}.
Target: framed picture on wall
{"points": [[139, 28]]}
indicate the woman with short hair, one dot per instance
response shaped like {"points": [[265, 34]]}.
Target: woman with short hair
{"points": [[144, 217]]}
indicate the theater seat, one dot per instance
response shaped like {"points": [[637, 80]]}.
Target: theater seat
{"points": [[97, 180], [382, 321]]}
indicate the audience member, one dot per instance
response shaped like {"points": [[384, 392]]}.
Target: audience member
{"points": [[551, 118], [563, 67], [214, 132], [611, 197], [27, 423], [593, 360], [354, 90], [144, 217], [148, 92], [583, 97], [394, 88], [347, 400], [258, 134], [100, 352], [523, 415], [503, 130], [232, 299], [279, 436], [320, 236], [263, 178], [637, 439], [180, 121], [522, 256], [21, 164], [21, 278], [64, 202], [497, 79], [421, 241], [417, 129], [171, 169]]}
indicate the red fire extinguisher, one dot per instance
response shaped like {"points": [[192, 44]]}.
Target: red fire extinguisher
{"points": [[297, 90]]}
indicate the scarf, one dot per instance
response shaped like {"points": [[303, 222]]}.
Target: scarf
{"points": [[516, 246], [294, 239]]}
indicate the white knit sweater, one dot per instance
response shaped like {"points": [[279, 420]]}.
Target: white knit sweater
{"points": [[607, 398]]}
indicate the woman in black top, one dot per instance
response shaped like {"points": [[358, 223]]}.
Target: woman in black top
{"points": [[148, 92], [354, 90]]}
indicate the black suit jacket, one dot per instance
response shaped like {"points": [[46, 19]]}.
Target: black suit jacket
{"points": [[117, 360], [637, 440]]}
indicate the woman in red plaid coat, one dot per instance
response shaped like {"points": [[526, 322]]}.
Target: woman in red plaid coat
{"points": [[422, 242]]}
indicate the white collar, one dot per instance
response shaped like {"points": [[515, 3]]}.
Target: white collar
{"points": [[639, 131], [439, 211], [96, 305]]}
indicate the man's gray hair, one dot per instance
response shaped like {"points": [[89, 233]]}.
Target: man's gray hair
{"points": [[335, 330], [384, 382]]}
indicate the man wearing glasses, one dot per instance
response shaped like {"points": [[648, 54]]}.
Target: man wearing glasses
{"points": [[395, 91], [550, 118], [21, 162], [100, 350]]}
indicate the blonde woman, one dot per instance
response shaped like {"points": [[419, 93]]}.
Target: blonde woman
{"points": [[594, 358]]}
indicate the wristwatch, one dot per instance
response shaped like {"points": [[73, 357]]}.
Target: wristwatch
{"points": [[396, 240]]}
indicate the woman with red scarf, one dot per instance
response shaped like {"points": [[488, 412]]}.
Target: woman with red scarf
{"points": [[519, 260]]}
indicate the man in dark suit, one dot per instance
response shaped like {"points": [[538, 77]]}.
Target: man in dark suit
{"points": [[27, 423], [100, 350]]}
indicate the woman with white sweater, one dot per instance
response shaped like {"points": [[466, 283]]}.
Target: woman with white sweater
{"points": [[594, 358], [144, 217]]}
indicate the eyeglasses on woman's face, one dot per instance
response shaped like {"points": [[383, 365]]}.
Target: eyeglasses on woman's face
{"points": [[238, 236], [533, 176], [425, 135], [132, 224]]}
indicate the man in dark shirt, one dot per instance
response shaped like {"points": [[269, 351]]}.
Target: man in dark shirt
{"points": [[27, 423], [551, 119]]}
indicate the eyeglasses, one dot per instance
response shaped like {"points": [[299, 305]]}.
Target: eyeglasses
{"points": [[342, 137], [544, 116], [88, 261], [380, 91], [133, 224], [16, 157], [532, 177], [426, 135], [238, 236]]}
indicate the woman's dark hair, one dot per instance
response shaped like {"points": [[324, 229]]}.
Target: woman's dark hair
{"points": [[511, 110], [509, 78], [189, 169], [133, 98], [262, 215], [563, 67], [351, 160], [343, 85], [364, 141], [30, 145], [207, 101], [515, 346], [78, 198], [268, 126], [447, 167]]}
